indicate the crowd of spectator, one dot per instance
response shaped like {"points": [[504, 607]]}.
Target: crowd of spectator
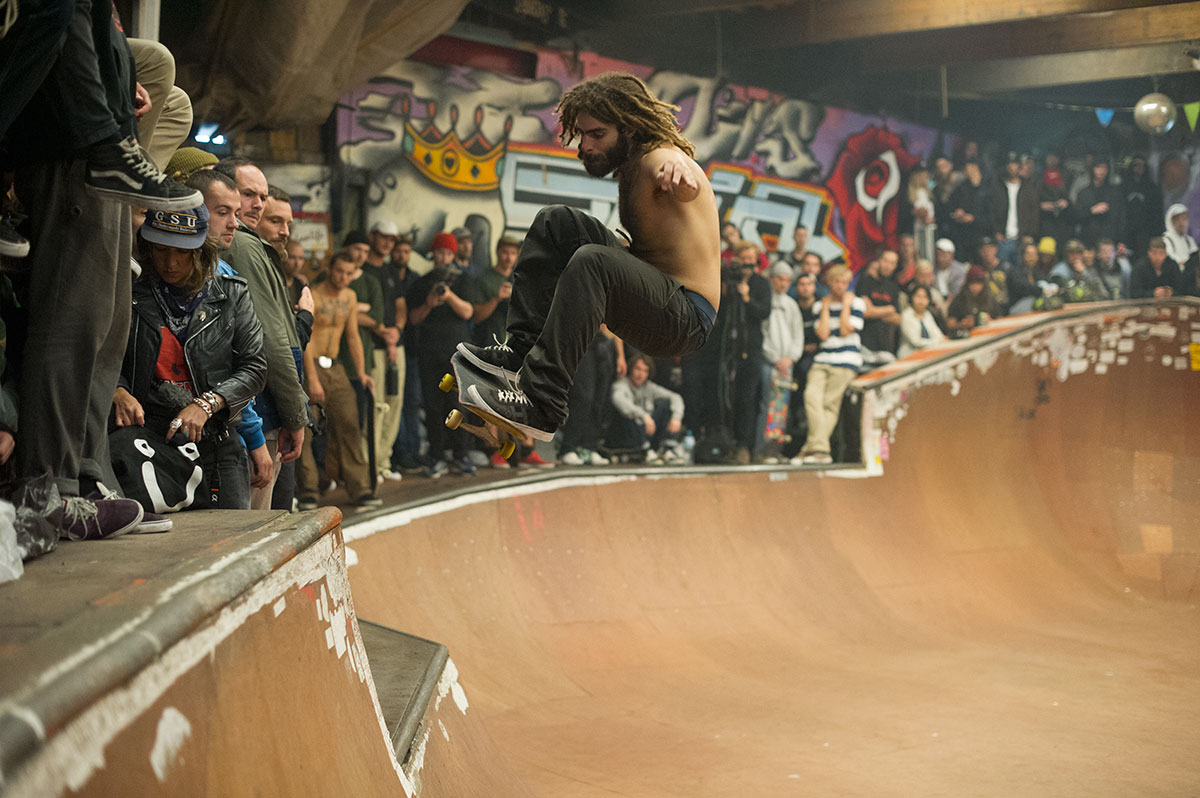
{"points": [[176, 348]]}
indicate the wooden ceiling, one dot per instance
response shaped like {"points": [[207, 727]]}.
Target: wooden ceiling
{"points": [[889, 54]]}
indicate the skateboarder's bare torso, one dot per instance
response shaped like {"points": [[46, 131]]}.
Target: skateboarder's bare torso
{"points": [[675, 230]]}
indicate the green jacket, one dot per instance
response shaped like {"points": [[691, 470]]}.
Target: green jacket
{"points": [[255, 261]]}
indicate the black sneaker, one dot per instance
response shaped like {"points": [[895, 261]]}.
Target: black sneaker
{"points": [[498, 359], [510, 404], [119, 171], [12, 243], [98, 518], [153, 522]]}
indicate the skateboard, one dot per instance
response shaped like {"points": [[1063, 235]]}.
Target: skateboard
{"points": [[775, 434], [495, 431]]}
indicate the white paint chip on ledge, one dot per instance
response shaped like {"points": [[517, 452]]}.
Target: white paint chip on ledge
{"points": [[280, 606], [173, 731]]}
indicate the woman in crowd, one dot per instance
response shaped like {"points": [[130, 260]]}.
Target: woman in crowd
{"points": [[194, 357], [974, 306], [917, 326]]}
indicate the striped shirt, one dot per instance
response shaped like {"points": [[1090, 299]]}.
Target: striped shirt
{"points": [[841, 350]]}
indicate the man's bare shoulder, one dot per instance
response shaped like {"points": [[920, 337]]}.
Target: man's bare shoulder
{"points": [[655, 158]]}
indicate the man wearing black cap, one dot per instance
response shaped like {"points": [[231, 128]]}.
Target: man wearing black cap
{"points": [[1012, 210]]}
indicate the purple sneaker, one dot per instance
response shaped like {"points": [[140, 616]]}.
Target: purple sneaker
{"points": [[97, 518]]}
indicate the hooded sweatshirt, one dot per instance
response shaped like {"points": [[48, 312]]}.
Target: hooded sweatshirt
{"points": [[1180, 246]]}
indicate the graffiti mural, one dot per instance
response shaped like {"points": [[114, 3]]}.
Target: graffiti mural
{"points": [[447, 146]]}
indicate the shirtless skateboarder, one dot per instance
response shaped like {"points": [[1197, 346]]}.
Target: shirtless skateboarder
{"points": [[660, 293], [328, 385]]}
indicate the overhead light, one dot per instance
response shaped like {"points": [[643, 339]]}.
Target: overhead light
{"points": [[218, 139], [204, 133]]}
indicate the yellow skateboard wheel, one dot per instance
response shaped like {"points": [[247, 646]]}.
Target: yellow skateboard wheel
{"points": [[454, 419], [506, 451], [447, 383]]}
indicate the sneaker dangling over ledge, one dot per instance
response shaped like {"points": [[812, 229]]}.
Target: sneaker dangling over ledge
{"points": [[118, 170], [499, 359], [512, 405]]}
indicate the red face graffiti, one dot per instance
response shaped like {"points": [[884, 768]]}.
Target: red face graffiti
{"points": [[866, 183]]}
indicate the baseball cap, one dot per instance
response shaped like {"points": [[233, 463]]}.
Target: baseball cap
{"points": [[945, 245], [444, 241], [385, 228], [987, 241], [1047, 246], [976, 274], [780, 269], [180, 229], [460, 233]]}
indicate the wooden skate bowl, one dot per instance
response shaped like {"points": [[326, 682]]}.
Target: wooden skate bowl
{"points": [[1009, 609]]}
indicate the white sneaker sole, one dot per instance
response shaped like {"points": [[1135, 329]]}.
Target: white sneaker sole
{"points": [[184, 203]]}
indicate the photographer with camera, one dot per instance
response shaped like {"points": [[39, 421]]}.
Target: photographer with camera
{"points": [[440, 318]]}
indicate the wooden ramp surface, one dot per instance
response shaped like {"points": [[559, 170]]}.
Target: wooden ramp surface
{"points": [[1010, 609]]}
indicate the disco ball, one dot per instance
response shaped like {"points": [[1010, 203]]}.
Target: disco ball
{"points": [[1155, 113]]}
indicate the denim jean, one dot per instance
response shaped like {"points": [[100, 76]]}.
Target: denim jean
{"points": [[227, 471]]}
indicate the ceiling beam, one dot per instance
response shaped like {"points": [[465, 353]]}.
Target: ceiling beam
{"points": [[985, 78], [820, 21], [1133, 27]]}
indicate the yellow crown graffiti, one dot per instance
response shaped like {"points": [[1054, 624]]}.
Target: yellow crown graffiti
{"points": [[473, 165]]}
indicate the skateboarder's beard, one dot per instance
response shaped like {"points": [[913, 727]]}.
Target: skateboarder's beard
{"points": [[600, 164]]}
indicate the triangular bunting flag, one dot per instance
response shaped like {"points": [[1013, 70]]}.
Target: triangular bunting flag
{"points": [[1193, 111], [1105, 115]]}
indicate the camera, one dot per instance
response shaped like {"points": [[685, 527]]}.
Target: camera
{"points": [[439, 288]]}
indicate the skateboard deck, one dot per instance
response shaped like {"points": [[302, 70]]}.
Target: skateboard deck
{"points": [[778, 397], [495, 431]]}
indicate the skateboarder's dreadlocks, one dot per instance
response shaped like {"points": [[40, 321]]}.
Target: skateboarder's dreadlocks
{"points": [[625, 101]]}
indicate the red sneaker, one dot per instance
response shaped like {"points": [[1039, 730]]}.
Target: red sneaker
{"points": [[535, 459], [497, 461]]}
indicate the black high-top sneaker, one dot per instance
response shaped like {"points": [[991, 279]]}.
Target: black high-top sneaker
{"points": [[499, 359], [119, 171], [507, 401]]}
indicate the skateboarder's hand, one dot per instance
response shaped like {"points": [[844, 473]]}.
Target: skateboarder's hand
{"points": [[784, 367], [673, 426], [675, 174], [367, 382], [505, 291], [390, 336], [650, 426]]}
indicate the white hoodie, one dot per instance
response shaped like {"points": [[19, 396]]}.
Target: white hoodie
{"points": [[1180, 246]]}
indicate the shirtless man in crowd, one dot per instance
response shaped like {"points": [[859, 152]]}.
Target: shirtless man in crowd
{"points": [[659, 293], [329, 386]]}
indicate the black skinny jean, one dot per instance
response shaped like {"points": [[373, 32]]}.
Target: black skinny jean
{"points": [[571, 276]]}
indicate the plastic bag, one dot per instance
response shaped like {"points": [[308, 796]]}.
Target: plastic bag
{"points": [[10, 556], [39, 512]]}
